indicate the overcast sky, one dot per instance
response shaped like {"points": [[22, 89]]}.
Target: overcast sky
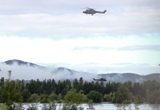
{"points": [[124, 39]]}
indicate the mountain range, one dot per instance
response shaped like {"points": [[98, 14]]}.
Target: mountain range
{"points": [[23, 63], [111, 77], [123, 77]]}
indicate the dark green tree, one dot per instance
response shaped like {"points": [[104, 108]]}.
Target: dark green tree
{"points": [[43, 98], [76, 84], [123, 95], [34, 98], [33, 87], [26, 95], [95, 96], [10, 92], [86, 87], [152, 92], [73, 96], [109, 97], [53, 97]]}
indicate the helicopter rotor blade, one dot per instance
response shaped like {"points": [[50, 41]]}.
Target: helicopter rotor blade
{"points": [[89, 8]]}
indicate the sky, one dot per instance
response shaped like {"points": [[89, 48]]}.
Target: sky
{"points": [[124, 39]]}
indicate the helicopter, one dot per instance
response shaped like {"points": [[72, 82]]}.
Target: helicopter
{"points": [[99, 79], [93, 11]]}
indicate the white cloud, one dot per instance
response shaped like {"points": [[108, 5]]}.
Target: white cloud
{"points": [[34, 20], [101, 50], [58, 32]]}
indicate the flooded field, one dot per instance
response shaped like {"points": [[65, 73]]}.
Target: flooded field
{"points": [[102, 106]]}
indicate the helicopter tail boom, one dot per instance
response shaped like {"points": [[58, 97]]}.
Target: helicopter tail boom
{"points": [[101, 11], [104, 11]]}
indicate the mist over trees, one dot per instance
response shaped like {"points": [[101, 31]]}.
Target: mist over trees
{"points": [[78, 91]]}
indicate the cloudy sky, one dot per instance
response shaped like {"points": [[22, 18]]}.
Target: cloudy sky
{"points": [[125, 39]]}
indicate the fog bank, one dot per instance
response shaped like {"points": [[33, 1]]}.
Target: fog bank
{"points": [[28, 73]]}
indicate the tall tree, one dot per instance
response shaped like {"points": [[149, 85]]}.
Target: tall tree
{"points": [[95, 96], [10, 92], [123, 95], [73, 96]]}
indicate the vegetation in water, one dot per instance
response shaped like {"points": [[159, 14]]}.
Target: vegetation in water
{"points": [[76, 92]]}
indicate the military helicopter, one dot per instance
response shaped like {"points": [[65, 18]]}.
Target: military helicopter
{"points": [[93, 11], [99, 79]]}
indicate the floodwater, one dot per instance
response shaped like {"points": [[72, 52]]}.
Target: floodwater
{"points": [[103, 106]]}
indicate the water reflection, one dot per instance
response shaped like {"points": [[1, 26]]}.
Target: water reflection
{"points": [[124, 107], [155, 106], [102, 106], [138, 106]]}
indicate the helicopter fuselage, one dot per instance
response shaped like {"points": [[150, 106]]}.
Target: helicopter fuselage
{"points": [[92, 11], [99, 79]]}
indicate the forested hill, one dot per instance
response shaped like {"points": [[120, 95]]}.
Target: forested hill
{"points": [[123, 77], [23, 63], [111, 77]]}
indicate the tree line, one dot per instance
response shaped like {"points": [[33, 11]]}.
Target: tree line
{"points": [[78, 91]]}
